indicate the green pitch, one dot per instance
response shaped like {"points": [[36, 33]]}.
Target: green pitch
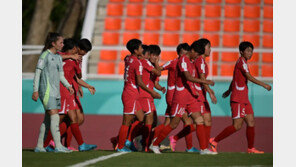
{"points": [[171, 159]]}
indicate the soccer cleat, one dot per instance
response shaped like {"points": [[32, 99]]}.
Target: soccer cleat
{"points": [[114, 142], [173, 143], [39, 150], [155, 149], [49, 149], [255, 151], [72, 148], [124, 149], [51, 143], [86, 147], [192, 150], [207, 152], [62, 150], [130, 145], [213, 144]]}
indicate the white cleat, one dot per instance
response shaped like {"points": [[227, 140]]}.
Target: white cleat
{"points": [[39, 150], [155, 149], [62, 150], [207, 152]]}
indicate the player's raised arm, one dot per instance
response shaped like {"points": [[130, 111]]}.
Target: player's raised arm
{"points": [[255, 81], [145, 88]]}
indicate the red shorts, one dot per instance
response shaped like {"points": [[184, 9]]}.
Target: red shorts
{"points": [[204, 107], [169, 99], [130, 102], [178, 109], [147, 105], [240, 110], [68, 101]]}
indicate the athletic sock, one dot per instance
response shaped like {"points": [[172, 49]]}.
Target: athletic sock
{"points": [[157, 130], [146, 135], [162, 135], [69, 136], [184, 132], [250, 133], [134, 130], [76, 133], [122, 136], [200, 133], [41, 136], [54, 129], [208, 133], [225, 133]]}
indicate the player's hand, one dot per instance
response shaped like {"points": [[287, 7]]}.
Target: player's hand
{"points": [[157, 59], [92, 90], [80, 92], [213, 98], [35, 96], [156, 95], [195, 93], [268, 87], [71, 90], [163, 90], [210, 82], [226, 94], [77, 57]]}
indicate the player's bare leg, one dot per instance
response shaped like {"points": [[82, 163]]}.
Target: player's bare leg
{"points": [[80, 116]]}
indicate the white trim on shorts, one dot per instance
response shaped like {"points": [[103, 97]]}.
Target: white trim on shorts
{"points": [[133, 112], [238, 115], [149, 111]]}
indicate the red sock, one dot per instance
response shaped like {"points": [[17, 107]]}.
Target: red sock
{"points": [[68, 137], [76, 133], [225, 133], [162, 135], [208, 133], [201, 135], [122, 136], [184, 132], [157, 130], [250, 136], [146, 135], [62, 127], [134, 130]]}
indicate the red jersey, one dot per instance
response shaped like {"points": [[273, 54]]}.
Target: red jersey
{"points": [[202, 68], [239, 87], [71, 68], [171, 66], [133, 67], [147, 68]]}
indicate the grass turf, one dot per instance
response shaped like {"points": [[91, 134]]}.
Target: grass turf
{"points": [[139, 159]]}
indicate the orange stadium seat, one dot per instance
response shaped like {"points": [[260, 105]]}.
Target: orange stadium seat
{"points": [[267, 57], [232, 11], [136, 0], [194, 1], [153, 9], [108, 55], [150, 38], [268, 41], [120, 68], [251, 25], [134, 9], [230, 40], [172, 24], [114, 9], [214, 55], [211, 25], [131, 23], [128, 36], [213, 38], [254, 58], [164, 73], [251, 11], [192, 10], [254, 69], [170, 39], [110, 38], [213, 1], [226, 69], [252, 1], [268, 12], [123, 54], [168, 55], [233, 1], [106, 68], [231, 25], [254, 39], [213, 70], [173, 10], [229, 56], [266, 70], [213, 10], [267, 26], [268, 2], [191, 24], [190, 38], [155, 1], [116, 0], [175, 1], [152, 24], [112, 23]]}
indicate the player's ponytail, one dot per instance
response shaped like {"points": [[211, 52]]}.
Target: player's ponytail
{"points": [[51, 37]]}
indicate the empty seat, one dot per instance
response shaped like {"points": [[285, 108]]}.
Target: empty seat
{"points": [[164, 73], [229, 56], [213, 70], [123, 54], [213, 38], [254, 58], [266, 70], [173, 10], [132, 23], [106, 68], [136, 0], [251, 25], [212, 25], [251, 11], [112, 23], [175, 1], [192, 10], [153, 9], [152, 24], [214, 56], [172, 24], [170, 39], [213, 1], [191, 24], [134, 9], [108, 55], [252, 1], [230, 40], [116, 0], [226, 69], [231, 25], [268, 41], [233, 1], [267, 26], [168, 55], [194, 1], [120, 68], [155, 1], [129, 35], [150, 38], [268, 12], [267, 57], [254, 39], [254, 69], [232, 11], [110, 38], [189, 38], [114, 9], [268, 2], [213, 10]]}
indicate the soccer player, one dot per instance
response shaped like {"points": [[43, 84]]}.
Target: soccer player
{"points": [[241, 107], [49, 72], [184, 100], [130, 94]]}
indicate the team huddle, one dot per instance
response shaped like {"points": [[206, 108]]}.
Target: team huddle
{"points": [[58, 83]]}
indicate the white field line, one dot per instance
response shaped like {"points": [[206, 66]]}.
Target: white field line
{"points": [[93, 161]]}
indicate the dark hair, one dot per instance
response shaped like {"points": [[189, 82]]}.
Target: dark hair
{"points": [[133, 45], [244, 45], [154, 49], [200, 45], [84, 44], [145, 48], [69, 43], [183, 46], [51, 37]]}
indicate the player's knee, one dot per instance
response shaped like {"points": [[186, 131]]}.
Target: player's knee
{"points": [[208, 122], [238, 126], [199, 120], [80, 121], [251, 123]]}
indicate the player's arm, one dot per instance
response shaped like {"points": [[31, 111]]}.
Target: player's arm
{"points": [[145, 88], [35, 94], [75, 57], [159, 87], [156, 70], [227, 93], [255, 81], [81, 82], [208, 89], [190, 78]]}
